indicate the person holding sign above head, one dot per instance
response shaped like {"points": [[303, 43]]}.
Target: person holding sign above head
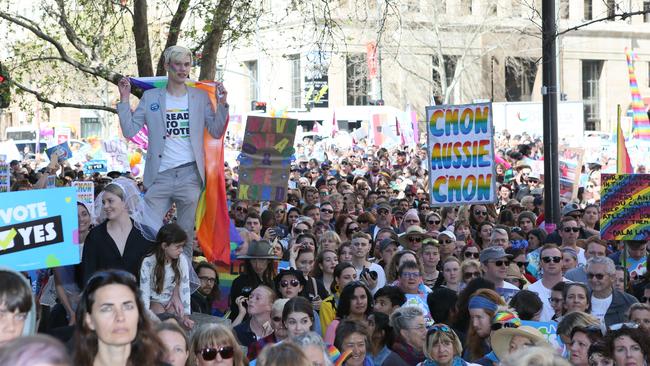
{"points": [[176, 118]]}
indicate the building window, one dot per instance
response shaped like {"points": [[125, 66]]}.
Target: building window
{"points": [[591, 71], [646, 9], [449, 64], [589, 11], [520, 78], [466, 7], [564, 9], [296, 89], [357, 79], [251, 67], [611, 9], [90, 127]]}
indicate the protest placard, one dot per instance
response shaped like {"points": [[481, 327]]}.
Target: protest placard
{"points": [[461, 154], [266, 158], [63, 150], [51, 181], [549, 331], [5, 175], [625, 206], [38, 229], [85, 191], [115, 152], [570, 164], [95, 166]]}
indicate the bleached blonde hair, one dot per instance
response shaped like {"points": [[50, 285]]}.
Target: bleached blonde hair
{"points": [[173, 53]]}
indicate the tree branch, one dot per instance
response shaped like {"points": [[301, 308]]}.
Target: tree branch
{"points": [[43, 99], [623, 16], [76, 42], [174, 32]]}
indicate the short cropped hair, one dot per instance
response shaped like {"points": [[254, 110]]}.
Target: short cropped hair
{"points": [[173, 53]]}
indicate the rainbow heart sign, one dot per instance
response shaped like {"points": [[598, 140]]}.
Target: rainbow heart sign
{"points": [[625, 206], [37, 229]]}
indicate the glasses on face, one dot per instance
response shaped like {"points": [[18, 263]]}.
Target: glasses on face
{"points": [[207, 279], [447, 241], [280, 212], [570, 229], [598, 276], [209, 353], [522, 264], [325, 210], [410, 274], [300, 231], [382, 212], [277, 319], [555, 300], [354, 229], [644, 299], [472, 255], [381, 192], [423, 208], [623, 325], [479, 212], [497, 326], [286, 283], [433, 222], [241, 209], [501, 263], [552, 259], [414, 239], [468, 275]]}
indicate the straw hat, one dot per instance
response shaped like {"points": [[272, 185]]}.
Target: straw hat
{"points": [[500, 340], [413, 231]]}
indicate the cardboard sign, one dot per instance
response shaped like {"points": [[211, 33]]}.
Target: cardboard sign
{"points": [[570, 164], [51, 181], [63, 150], [85, 192], [95, 166], [5, 175], [62, 134], [115, 151], [266, 158], [548, 330], [625, 207], [461, 154], [38, 229]]}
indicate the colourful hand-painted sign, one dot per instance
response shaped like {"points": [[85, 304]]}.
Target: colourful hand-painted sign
{"points": [[625, 206], [38, 229], [461, 154], [266, 158]]}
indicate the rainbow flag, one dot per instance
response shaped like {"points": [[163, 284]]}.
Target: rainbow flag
{"points": [[640, 121], [212, 221], [623, 163]]}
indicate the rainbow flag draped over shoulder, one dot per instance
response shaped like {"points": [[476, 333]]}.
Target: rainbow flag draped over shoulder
{"points": [[640, 121], [212, 221]]}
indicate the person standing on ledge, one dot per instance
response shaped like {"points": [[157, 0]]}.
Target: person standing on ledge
{"points": [[176, 117]]}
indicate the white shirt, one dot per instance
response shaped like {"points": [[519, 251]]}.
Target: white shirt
{"points": [[148, 283], [599, 307], [544, 294], [381, 276], [178, 149]]}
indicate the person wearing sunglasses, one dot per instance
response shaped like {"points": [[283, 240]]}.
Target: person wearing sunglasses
{"points": [[238, 212], [570, 232], [112, 327], [608, 305], [494, 264], [289, 283], [478, 214], [214, 344], [504, 318], [469, 252], [470, 269], [550, 263]]}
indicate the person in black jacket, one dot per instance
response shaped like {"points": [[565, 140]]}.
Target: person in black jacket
{"points": [[208, 291], [607, 304], [259, 269]]}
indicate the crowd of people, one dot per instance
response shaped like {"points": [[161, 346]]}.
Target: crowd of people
{"points": [[356, 267]]}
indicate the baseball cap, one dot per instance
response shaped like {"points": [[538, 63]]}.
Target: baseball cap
{"points": [[448, 234], [491, 253]]}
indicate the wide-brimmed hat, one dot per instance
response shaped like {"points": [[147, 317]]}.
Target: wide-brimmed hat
{"points": [[259, 249], [500, 340], [413, 231], [521, 165]]}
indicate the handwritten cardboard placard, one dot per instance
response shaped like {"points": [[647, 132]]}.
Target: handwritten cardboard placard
{"points": [[570, 164], [115, 151], [461, 154], [38, 229], [625, 206], [266, 158]]}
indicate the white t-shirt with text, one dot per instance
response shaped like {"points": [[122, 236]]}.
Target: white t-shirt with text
{"points": [[178, 149]]}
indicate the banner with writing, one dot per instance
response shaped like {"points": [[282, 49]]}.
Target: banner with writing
{"points": [[549, 331], [266, 158], [62, 150], [461, 154], [38, 229], [5, 175], [95, 166], [625, 206]]}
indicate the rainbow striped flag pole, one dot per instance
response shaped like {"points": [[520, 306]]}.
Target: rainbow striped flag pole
{"points": [[623, 163]]}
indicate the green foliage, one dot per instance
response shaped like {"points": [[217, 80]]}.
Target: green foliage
{"points": [[5, 88]]}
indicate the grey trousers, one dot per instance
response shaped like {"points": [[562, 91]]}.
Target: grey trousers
{"points": [[181, 185]]}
